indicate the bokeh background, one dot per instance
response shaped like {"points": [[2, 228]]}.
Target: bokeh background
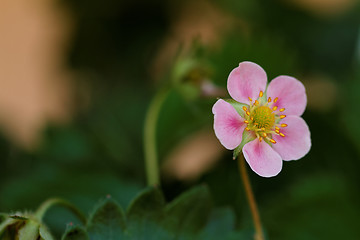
{"points": [[77, 77]]}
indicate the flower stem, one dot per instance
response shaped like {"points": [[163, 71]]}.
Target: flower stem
{"points": [[45, 206], [151, 158], [259, 235]]}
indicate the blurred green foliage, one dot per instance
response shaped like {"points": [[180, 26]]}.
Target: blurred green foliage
{"points": [[101, 151]]}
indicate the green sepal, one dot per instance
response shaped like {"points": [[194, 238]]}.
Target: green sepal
{"points": [[246, 137], [238, 106], [11, 225], [5, 222], [107, 221], [30, 231], [45, 233], [75, 233], [17, 217]]}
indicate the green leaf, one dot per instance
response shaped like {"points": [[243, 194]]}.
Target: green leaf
{"points": [[220, 224], [189, 216], [243, 235], [75, 233], [107, 221], [146, 216], [149, 201], [316, 202], [189, 212], [149, 229]]}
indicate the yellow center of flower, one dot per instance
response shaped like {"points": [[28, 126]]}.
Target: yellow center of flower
{"points": [[262, 118]]}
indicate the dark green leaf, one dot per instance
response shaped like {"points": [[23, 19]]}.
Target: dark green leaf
{"points": [[220, 224], [242, 235], [149, 201], [323, 205], [149, 229], [146, 215], [107, 221], [189, 212], [75, 233]]}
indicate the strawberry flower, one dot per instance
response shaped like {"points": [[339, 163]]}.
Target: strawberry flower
{"points": [[263, 121]]}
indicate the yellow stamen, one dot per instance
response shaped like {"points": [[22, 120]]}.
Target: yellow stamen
{"points": [[277, 131], [269, 99], [252, 118], [283, 125], [250, 99], [262, 129], [247, 129], [281, 134], [277, 128], [272, 140], [246, 121], [264, 134], [282, 116], [248, 113], [274, 108], [275, 100], [282, 109], [261, 94], [260, 139], [244, 108], [256, 102]]}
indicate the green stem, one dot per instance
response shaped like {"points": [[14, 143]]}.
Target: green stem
{"points": [[259, 235], [45, 206], [151, 158]]}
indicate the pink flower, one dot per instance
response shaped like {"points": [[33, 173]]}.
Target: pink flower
{"points": [[264, 120]]}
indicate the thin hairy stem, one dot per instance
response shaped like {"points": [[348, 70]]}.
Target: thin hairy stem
{"points": [[259, 235]]}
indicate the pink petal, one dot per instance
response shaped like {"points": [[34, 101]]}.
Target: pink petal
{"points": [[296, 142], [247, 80], [228, 124], [290, 93], [262, 158]]}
